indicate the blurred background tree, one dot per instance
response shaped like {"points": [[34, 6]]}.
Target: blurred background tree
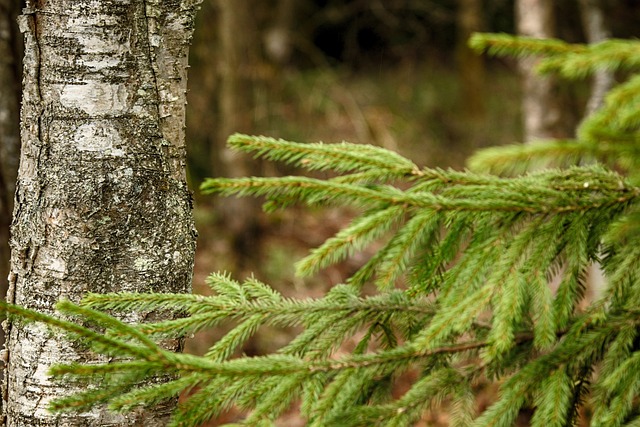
{"points": [[543, 112], [394, 73]]}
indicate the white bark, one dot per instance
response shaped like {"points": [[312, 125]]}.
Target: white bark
{"points": [[596, 30], [102, 203], [541, 110]]}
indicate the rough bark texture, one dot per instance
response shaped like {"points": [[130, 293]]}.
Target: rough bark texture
{"points": [[102, 203], [541, 108]]}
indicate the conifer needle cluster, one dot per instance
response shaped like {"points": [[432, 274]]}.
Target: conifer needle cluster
{"points": [[480, 277]]}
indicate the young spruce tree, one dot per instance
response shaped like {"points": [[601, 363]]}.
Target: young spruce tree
{"points": [[476, 254]]}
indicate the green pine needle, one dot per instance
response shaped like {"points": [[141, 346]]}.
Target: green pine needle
{"points": [[476, 278]]}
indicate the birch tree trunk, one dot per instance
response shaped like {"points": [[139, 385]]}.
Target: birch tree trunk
{"points": [[541, 108], [101, 204], [238, 60], [596, 30]]}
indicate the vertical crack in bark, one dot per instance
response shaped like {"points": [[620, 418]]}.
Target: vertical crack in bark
{"points": [[24, 255], [151, 33]]}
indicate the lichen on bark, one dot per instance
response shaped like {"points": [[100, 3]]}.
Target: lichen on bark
{"points": [[102, 203]]}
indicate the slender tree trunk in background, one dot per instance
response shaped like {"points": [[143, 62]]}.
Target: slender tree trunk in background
{"points": [[541, 106], [102, 203], [279, 38], [470, 64], [9, 97], [202, 110], [239, 57], [596, 30], [9, 128]]}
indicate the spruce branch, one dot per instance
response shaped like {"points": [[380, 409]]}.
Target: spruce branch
{"points": [[478, 253], [553, 400], [79, 370], [518, 159], [123, 329], [618, 120], [156, 393], [106, 344], [402, 247], [517, 46], [569, 60], [278, 311], [343, 157], [272, 364], [351, 239], [578, 189], [611, 55]]}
